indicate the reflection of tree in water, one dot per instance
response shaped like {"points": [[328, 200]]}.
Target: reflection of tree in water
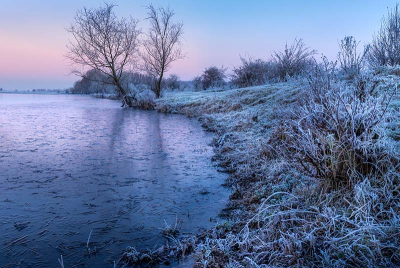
{"points": [[137, 133], [160, 162], [117, 123], [147, 132]]}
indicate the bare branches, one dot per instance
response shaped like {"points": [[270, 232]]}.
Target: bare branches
{"points": [[162, 45], [351, 61], [103, 42], [385, 48], [339, 133], [294, 59]]}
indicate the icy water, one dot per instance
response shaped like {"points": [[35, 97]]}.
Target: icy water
{"points": [[73, 164]]}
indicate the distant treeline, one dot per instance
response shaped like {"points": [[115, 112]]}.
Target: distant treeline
{"points": [[94, 82], [48, 90], [40, 90]]}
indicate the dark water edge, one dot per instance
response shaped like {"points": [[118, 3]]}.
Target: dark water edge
{"points": [[73, 164]]}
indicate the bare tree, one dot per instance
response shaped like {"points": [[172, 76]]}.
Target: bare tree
{"points": [[103, 42], [213, 77], [197, 83], [385, 47], [162, 45]]}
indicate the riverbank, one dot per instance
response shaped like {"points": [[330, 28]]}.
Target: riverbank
{"points": [[278, 214], [243, 120]]}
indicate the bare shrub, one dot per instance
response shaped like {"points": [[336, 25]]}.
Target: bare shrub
{"points": [[385, 47], [351, 61], [253, 72], [213, 77], [294, 60], [339, 132]]}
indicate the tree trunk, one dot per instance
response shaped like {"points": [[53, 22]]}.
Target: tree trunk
{"points": [[125, 99], [158, 85]]}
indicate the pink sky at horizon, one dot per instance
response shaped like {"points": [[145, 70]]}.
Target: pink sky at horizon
{"points": [[33, 38]]}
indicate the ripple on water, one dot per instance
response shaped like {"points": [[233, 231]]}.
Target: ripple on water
{"points": [[72, 164]]}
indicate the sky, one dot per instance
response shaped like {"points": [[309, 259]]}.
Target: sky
{"points": [[216, 32]]}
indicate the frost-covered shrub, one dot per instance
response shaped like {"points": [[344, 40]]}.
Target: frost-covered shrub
{"points": [[213, 77], [339, 133], [142, 96], [253, 72], [351, 61], [294, 60], [385, 47]]}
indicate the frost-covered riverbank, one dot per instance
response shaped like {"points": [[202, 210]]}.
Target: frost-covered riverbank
{"points": [[278, 214]]}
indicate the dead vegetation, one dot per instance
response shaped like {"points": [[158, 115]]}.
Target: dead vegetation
{"points": [[314, 167]]}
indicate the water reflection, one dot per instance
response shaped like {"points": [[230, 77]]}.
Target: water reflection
{"points": [[72, 164]]}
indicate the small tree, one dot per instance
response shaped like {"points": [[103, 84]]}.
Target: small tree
{"points": [[385, 47], [351, 61], [197, 83], [105, 43], [294, 59], [213, 77], [162, 45]]}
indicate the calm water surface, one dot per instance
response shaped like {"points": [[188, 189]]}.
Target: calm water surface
{"points": [[72, 164]]}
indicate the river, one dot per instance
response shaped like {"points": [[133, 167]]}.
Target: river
{"points": [[71, 165]]}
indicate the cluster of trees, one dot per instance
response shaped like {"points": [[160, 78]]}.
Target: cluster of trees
{"points": [[110, 48], [294, 60], [212, 77]]}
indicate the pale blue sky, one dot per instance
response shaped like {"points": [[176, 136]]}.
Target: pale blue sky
{"points": [[33, 38]]}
